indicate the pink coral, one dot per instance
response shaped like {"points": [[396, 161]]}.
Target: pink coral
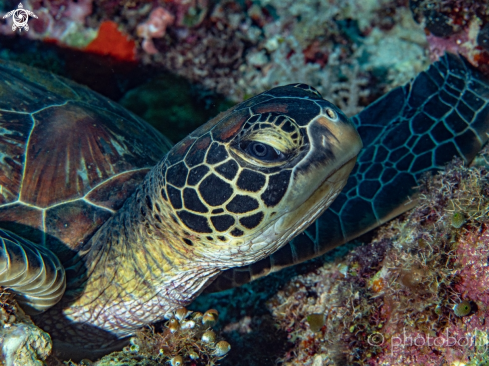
{"points": [[474, 276], [463, 42], [154, 27]]}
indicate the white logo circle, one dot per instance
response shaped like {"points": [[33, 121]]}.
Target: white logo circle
{"points": [[20, 17]]}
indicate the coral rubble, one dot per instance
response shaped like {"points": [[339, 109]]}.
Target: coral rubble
{"points": [[351, 51], [21, 342], [456, 26], [187, 338], [417, 294]]}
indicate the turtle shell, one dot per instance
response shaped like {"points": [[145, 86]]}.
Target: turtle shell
{"points": [[69, 158]]}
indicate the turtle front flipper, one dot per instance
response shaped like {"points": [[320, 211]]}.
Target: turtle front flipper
{"points": [[441, 114], [34, 273]]}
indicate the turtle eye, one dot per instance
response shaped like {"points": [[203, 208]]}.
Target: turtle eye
{"points": [[261, 151]]}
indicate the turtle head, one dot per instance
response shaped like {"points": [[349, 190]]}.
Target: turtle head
{"points": [[248, 181]]}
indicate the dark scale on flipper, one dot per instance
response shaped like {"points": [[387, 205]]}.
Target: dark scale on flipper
{"points": [[465, 111], [381, 154], [436, 108], [454, 92], [397, 136], [405, 163], [251, 181], [222, 222], [215, 191], [242, 204], [363, 168], [422, 87], [305, 247], [216, 154], [374, 171], [367, 155], [411, 141], [228, 169], [194, 222], [217, 211], [472, 100], [424, 143], [447, 98], [468, 143], [276, 188], [368, 188], [456, 82], [196, 174], [192, 201], [421, 123], [422, 162], [440, 132], [177, 175], [387, 175], [444, 150], [398, 154], [455, 122]]}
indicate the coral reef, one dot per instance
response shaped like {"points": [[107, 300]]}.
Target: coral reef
{"points": [[154, 27], [351, 51], [417, 294], [186, 338], [21, 342], [455, 26]]}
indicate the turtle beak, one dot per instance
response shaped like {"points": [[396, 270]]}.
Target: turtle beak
{"points": [[335, 145], [322, 174]]}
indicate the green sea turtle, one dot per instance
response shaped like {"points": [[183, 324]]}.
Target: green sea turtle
{"points": [[142, 227]]}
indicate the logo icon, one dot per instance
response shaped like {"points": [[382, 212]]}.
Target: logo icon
{"points": [[20, 17]]}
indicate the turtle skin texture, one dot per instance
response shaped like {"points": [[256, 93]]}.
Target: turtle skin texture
{"points": [[411, 131], [70, 158], [142, 229], [237, 192]]}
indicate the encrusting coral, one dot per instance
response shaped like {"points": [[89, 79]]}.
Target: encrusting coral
{"points": [[239, 49], [417, 294], [21, 342], [187, 338]]}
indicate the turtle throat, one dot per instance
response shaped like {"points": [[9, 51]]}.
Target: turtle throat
{"points": [[138, 267]]}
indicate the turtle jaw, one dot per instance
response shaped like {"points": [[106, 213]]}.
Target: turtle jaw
{"points": [[294, 222]]}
